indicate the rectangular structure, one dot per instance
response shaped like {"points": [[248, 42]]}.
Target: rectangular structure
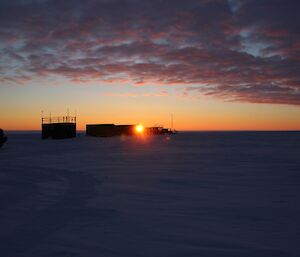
{"points": [[59, 127], [58, 130], [109, 130]]}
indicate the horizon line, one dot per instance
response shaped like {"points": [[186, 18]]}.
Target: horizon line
{"points": [[187, 130]]}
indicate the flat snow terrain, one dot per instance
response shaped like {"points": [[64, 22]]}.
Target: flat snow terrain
{"points": [[191, 194]]}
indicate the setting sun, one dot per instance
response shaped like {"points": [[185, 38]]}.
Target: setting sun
{"points": [[139, 128]]}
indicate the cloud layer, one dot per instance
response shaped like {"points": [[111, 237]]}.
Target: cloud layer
{"points": [[236, 50]]}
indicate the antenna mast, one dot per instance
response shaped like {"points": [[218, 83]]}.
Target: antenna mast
{"points": [[67, 114]]}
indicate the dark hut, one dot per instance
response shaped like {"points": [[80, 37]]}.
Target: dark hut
{"points": [[158, 131], [59, 127], [3, 138], [109, 130]]}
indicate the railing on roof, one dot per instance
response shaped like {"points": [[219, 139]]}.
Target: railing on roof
{"points": [[60, 119]]}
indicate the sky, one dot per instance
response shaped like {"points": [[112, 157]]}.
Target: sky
{"points": [[213, 64]]}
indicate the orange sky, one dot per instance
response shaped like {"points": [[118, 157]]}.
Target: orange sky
{"points": [[216, 65], [20, 109]]}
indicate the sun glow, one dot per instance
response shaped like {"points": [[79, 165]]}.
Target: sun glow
{"points": [[139, 129]]}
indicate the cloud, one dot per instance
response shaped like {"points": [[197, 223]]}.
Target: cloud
{"points": [[237, 50], [161, 93]]}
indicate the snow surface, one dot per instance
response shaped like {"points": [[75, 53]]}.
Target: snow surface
{"points": [[190, 194]]}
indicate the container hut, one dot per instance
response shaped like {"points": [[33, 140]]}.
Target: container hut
{"points": [[59, 127], [109, 130]]}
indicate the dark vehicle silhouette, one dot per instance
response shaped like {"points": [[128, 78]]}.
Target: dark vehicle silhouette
{"points": [[3, 138]]}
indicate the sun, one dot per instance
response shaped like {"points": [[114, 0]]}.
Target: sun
{"points": [[139, 129]]}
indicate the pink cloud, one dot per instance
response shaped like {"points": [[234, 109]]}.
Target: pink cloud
{"points": [[196, 44]]}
